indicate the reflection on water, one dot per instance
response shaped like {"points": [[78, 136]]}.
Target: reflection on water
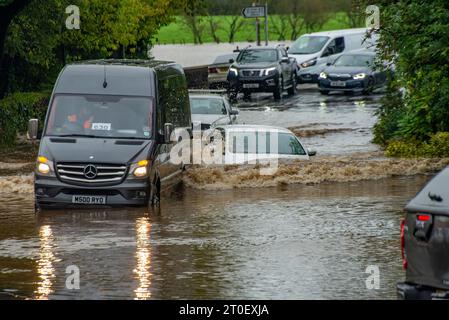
{"points": [[45, 268], [143, 257]]}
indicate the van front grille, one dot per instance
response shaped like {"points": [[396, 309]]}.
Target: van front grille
{"points": [[91, 173]]}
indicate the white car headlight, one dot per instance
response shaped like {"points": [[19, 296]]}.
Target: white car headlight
{"points": [[269, 71], [323, 75], [233, 71], [359, 76]]}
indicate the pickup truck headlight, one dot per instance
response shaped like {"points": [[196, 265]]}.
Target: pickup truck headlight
{"points": [[359, 76], [233, 71], [44, 166], [323, 75], [269, 71], [308, 63], [140, 169]]}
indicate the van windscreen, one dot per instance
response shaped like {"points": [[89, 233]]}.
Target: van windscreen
{"points": [[102, 116], [308, 44]]}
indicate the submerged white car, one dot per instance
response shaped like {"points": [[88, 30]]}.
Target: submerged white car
{"points": [[241, 144]]}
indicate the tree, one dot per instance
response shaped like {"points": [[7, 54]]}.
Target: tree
{"points": [[354, 11], [38, 44], [193, 18], [413, 35], [9, 9], [214, 26]]}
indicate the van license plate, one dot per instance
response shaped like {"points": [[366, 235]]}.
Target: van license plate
{"points": [[250, 85], [88, 200], [338, 84]]}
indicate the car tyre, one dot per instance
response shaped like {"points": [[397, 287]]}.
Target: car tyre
{"points": [[278, 90], [324, 92], [369, 86], [292, 89]]}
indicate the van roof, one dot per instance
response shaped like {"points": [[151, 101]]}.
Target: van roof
{"points": [[148, 63], [338, 32], [122, 77]]}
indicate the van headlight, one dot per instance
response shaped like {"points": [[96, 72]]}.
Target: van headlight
{"points": [[44, 165], [140, 169], [233, 71], [323, 75], [359, 76], [308, 63]]}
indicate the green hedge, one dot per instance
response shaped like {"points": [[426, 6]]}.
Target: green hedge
{"points": [[15, 111], [436, 147]]}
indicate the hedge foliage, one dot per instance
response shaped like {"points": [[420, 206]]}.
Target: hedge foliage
{"points": [[414, 35], [436, 147], [15, 111]]}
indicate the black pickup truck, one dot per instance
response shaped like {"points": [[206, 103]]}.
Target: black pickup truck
{"points": [[262, 69]]}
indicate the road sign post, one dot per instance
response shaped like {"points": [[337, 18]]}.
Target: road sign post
{"points": [[257, 11]]}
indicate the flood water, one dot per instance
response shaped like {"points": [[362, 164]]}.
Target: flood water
{"points": [[285, 242]]}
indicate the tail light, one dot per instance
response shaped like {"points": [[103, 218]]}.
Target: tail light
{"points": [[403, 254], [423, 217], [213, 70]]}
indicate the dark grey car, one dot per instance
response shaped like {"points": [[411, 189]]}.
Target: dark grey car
{"points": [[425, 242], [353, 71], [108, 133]]}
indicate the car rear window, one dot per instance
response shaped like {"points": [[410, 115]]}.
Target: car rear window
{"points": [[207, 106]]}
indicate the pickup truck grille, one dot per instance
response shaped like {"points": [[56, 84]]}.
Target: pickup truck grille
{"points": [[91, 173], [251, 73]]}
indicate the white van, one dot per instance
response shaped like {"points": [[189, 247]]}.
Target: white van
{"points": [[314, 51]]}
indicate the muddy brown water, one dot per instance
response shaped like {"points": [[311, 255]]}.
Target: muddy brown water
{"points": [[285, 241], [296, 242]]}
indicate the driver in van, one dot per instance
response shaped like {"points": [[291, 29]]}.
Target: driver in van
{"points": [[83, 118]]}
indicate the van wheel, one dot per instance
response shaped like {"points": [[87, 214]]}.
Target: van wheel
{"points": [[37, 207], [155, 194]]}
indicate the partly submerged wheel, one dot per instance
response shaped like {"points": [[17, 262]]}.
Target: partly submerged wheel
{"points": [[278, 90], [292, 89]]}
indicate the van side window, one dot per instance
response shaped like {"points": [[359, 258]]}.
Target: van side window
{"points": [[337, 45], [174, 100]]}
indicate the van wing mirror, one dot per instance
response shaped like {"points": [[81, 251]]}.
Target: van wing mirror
{"points": [[285, 60], [231, 61], [168, 131], [234, 112], [33, 127]]}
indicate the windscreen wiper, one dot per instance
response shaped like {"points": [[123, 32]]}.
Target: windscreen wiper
{"points": [[76, 135]]}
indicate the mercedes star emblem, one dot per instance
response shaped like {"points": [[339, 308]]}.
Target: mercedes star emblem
{"points": [[90, 171]]}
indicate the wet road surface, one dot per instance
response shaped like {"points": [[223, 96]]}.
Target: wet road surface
{"points": [[286, 242], [301, 242]]}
